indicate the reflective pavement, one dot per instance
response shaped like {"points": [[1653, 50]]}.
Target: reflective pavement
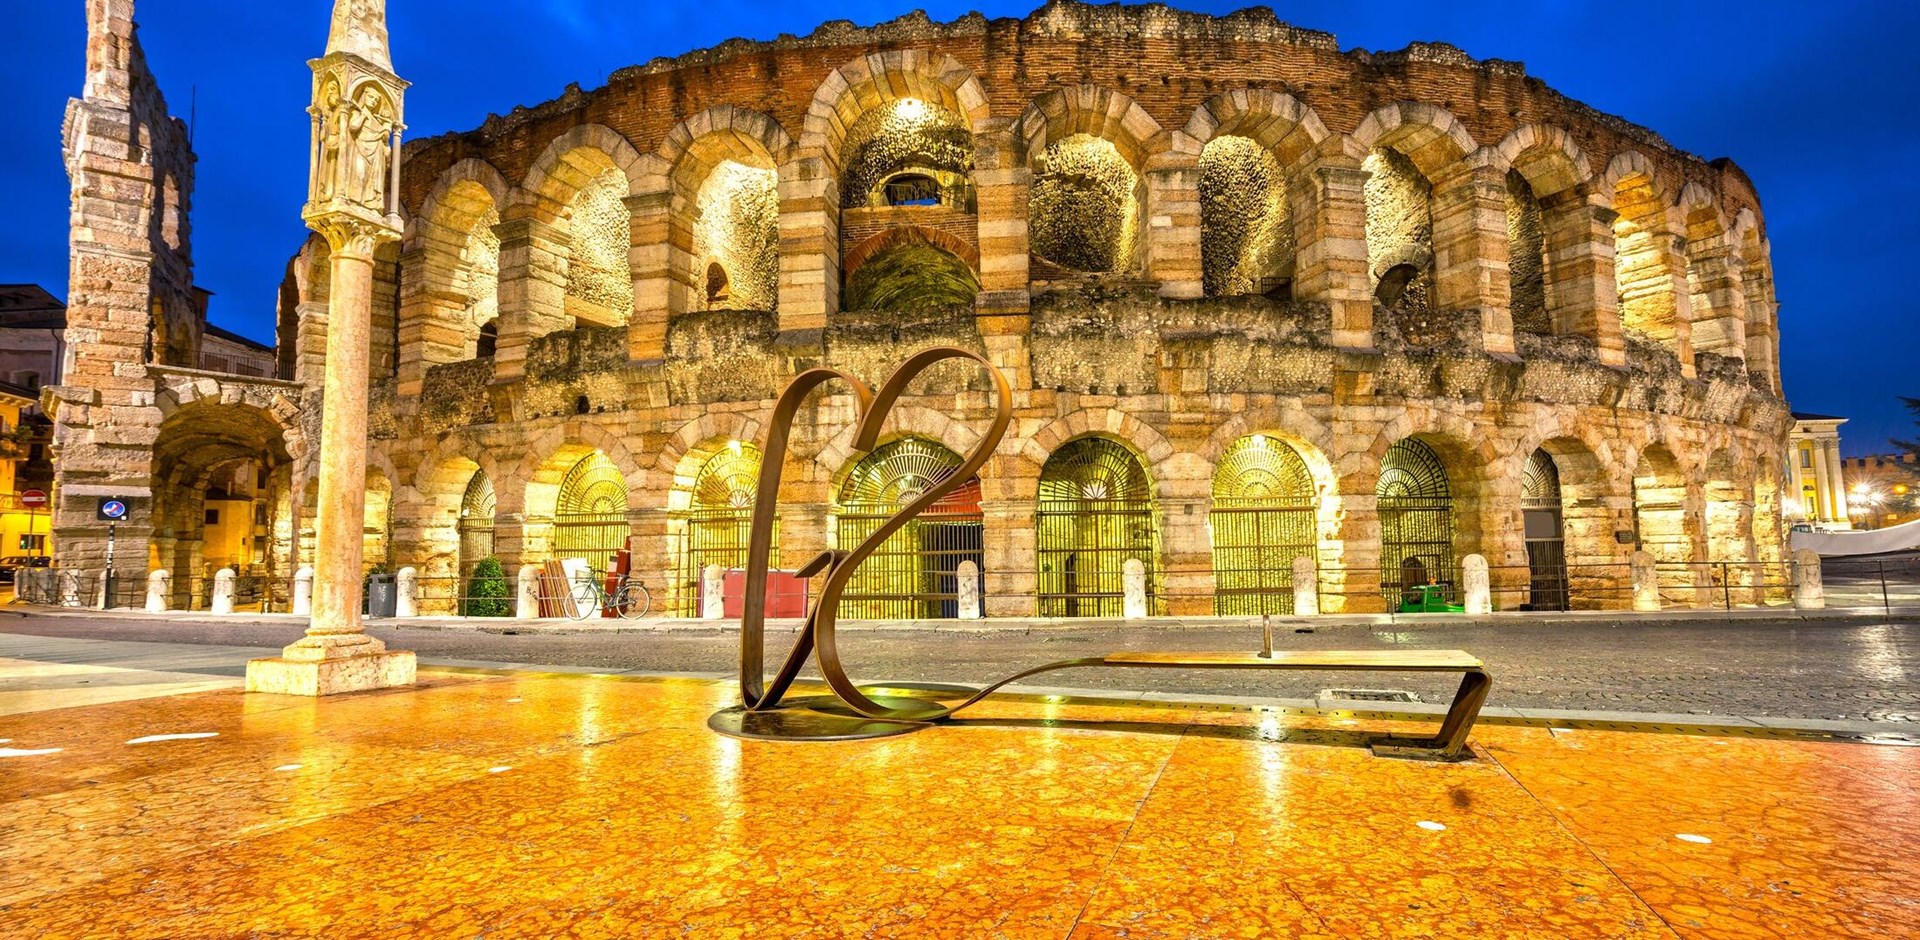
{"points": [[543, 805]]}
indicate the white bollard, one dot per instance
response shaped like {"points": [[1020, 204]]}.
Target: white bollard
{"points": [[100, 598], [1646, 582], [406, 603], [303, 591], [159, 587], [1478, 584], [1306, 587], [528, 605], [223, 591], [967, 586], [713, 593], [1809, 588], [69, 588], [1133, 589]]}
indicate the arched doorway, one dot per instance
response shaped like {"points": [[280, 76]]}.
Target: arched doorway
{"points": [[1416, 519], [1541, 508], [1095, 512], [1661, 526], [719, 518], [1262, 519], [475, 525], [590, 514], [915, 573]]}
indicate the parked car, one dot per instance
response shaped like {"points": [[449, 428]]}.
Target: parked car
{"points": [[9, 565]]}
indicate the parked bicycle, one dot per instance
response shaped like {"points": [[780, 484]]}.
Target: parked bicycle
{"points": [[629, 598]]}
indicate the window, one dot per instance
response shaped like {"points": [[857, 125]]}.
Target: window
{"points": [[489, 338], [1806, 458], [913, 189], [718, 286], [213, 517], [36, 544], [30, 379]]}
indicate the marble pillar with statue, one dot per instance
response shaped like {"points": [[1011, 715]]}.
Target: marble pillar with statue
{"points": [[353, 202]]}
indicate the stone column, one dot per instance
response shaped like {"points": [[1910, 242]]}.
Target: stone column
{"points": [[1674, 249], [533, 291], [1010, 578], [1720, 305], [650, 259], [1838, 479], [1329, 207], [1582, 297], [1822, 510], [809, 242], [1173, 226], [1003, 189], [1470, 251]]}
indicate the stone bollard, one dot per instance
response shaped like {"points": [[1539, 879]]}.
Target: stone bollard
{"points": [[967, 587], [1646, 582], [1306, 587], [713, 593], [303, 591], [1477, 583], [406, 602], [159, 586], [70, 589], [1133, 589], [528, 605], [101, 588], [1809, 588], [223, 591]]}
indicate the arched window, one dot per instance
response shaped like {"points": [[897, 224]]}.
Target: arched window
{"points": [[489, 339], [1084, 208], [476, 523], [915, 573], [1246, 232], [719, 518], [717, 287], [1416, 519], [1096, 511], [1262, 519], [590, 514]]}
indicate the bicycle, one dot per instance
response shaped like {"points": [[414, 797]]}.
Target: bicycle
{"points": [[629, 598]]}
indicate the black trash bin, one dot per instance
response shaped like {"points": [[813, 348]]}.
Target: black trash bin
{"points": [[382, 598]]}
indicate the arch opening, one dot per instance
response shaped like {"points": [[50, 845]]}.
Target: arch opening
{"points": [[912, 275], [590, 512], [1084, 208], [736, 236], [1246, 231], [599, 288], [475, 524], [1526, 258], [1264, 515], [1416, 507], [1399, 222], [1096, 511], [1642, 266], [1542, 512], [910, 152], [221, 499], [916, 571], [716, 525]]}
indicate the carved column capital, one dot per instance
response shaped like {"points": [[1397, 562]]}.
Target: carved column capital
{"points": [[351, 236]]}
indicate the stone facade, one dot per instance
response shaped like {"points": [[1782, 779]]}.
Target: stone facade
{"points": [[1633, 343]]}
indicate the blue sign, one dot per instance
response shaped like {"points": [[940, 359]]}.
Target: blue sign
{"points": [[113, 509]]}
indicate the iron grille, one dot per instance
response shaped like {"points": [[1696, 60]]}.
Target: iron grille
{"points": [[590, 515], [720, 520], [1262, 519], [1095, 512], [915, 572], [1546, 536], [1416, 519], [476, 523]]}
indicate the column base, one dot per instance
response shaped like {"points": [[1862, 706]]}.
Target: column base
{"points": [[315, 670]]}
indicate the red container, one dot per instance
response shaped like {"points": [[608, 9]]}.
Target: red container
{"points": [[786, 594]]}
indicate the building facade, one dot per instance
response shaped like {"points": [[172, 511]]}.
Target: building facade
{"points": [[1817, 473], [1259, 299]]}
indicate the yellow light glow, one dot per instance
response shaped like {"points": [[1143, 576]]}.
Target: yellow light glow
{"points": [[910, 108]]}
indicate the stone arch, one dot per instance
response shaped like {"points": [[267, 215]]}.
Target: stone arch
{"points": [[1275, 120], [1144, 439], [1762, 331], [1094, 517], [881, 77], [1547, 156], [453, 256], [915, 268], [837, 458], [1591, 487], [1408, 148], [1714, 276], [1089, 148], [435, 498], [210, 432], [714, 177], [549, 456], [573, 208], [1428, 135], [1654, 305], [1095, 111], [572, 159]]}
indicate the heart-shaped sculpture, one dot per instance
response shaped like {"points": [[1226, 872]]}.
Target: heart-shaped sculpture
{"points": [[756, 694]]}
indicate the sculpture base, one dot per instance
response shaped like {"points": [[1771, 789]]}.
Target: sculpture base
{"points": [[331, 676], [817, 718]]}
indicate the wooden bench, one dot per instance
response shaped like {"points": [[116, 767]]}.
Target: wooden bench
{"points": [[1449, 744]]}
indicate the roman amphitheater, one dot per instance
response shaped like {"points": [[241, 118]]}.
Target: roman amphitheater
{"points": [[1259, 299]]}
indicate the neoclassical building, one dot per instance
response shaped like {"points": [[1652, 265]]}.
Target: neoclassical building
{"points": [[1259, 299]]}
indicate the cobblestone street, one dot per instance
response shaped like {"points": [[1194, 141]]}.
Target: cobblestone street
{"points": [[1858, 671]]}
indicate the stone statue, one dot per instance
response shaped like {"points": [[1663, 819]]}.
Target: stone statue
{"points": [[329, 141], [365, 129], [359, 27]]}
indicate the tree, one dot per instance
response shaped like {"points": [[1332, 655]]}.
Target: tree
{"points": [[486, 594], [1909, 447]]}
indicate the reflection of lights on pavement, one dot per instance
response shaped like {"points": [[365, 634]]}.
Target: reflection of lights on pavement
{"points": [[1431, 826], [1696, 840]]}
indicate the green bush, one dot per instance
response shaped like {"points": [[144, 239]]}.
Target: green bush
{"points": [[486, 594]]}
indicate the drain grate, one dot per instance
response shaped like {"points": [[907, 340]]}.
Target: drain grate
{"points": [[1369, 695]]}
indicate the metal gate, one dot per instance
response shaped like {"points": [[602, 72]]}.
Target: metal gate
{"points": [[1095, 512], [1263, 518], [719, 519], [590, 515], [476, 524], [1416, 519], [915, 573], [1546, 535]]}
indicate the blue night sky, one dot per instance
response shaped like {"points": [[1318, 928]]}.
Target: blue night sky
{"points": [[1808, 98]]}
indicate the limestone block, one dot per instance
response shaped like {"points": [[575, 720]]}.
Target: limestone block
{"points": [[528, 605], [1809, 588], [378, 670], [967, 578], [303, 591], [1133, 588], [1477, 585], [407, 588], [223, 591], [159, 587], [1646, 582], [713, 593], [1306, 587]]}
